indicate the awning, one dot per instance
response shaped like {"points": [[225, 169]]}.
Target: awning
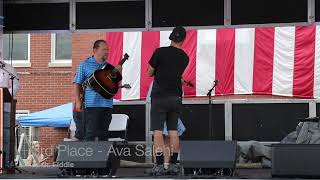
{"points": [[60, 116]]}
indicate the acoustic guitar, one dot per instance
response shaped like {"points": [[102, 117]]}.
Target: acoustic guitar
{"points": [[105, 81]]}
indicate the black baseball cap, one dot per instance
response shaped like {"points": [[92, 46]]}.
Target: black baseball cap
{"points": [[178, 34]]}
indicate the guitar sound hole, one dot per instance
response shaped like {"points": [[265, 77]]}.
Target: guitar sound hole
{"points": [[113, 76]]}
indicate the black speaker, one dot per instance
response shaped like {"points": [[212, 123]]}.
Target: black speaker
{"points": [[208, 155], [295, 160], [77, 155]]}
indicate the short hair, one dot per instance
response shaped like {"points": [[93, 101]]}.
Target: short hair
{"points": [[98, 42]]}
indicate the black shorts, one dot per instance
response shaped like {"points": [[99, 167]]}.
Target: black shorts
{"points": [[165, 109]]}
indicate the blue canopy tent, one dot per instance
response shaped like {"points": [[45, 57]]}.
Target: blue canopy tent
{"points": [[60, 116]]}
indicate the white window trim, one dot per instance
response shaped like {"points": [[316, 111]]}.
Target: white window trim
{"points": [[22, 63], [60, 62], [22, 111], [31, 129], [29, 139]]}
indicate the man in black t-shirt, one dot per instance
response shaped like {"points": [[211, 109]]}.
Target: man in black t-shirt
{"points": [[167, 65]]}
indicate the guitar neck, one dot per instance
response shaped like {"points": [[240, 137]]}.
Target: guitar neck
{"points": [[122, 61], [126, 56]]}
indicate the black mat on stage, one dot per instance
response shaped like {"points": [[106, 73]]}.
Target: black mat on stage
{"points": [[52, 172]]}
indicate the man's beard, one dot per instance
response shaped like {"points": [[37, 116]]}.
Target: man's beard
{"points": [[105, 57]]}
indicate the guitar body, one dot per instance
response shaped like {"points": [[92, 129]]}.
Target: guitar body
{"points": [[104, 82]]}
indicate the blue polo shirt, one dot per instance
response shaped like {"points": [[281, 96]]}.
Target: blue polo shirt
{"points": [[84, 71]]}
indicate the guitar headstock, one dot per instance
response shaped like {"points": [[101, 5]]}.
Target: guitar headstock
{"points": [[126, 56]]}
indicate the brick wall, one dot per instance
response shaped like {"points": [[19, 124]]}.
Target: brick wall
{"points": [[44, 87]]}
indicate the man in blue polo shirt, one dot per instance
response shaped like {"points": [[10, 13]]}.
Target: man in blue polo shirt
{"points": [[98, 110]]}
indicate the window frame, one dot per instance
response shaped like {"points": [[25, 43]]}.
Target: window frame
{"points": [[58, 62], [31, 130], [19, 62]]}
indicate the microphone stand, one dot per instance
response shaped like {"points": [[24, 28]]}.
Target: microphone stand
{"points": [[210, 109]]}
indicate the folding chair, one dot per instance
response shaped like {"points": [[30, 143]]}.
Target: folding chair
{"points": [[118, 128]]}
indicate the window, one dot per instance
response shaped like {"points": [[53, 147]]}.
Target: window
{"points": [[31, 134], [61, 49], [24, 152], [17, 45]]}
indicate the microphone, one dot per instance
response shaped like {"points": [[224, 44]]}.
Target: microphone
{"points": [[215, 83]]}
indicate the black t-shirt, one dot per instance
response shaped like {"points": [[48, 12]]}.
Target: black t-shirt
{"points": [[169, 64]]}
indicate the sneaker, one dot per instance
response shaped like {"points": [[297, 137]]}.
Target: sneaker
{"points": [[157, 170], [173, 169]]}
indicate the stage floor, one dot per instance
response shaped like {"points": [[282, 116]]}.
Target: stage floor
{"points": [[129, 173]]}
